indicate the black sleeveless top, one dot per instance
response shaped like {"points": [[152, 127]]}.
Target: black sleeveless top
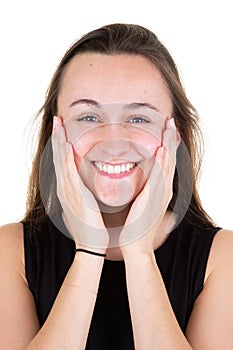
{"points": [[181, 259]]}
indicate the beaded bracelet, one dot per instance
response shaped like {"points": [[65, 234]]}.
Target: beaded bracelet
{"points": [[89, 252]]}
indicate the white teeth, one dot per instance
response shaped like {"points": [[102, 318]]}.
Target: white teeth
{"points": [[105, 168], [123, 168], [109, 169], [114, 169], [117, 169], [128, 167]]}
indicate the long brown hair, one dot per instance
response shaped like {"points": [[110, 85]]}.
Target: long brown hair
{"points": [[131, 40]]}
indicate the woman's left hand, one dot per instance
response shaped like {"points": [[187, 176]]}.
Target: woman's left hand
{"points": [[140, 232]]}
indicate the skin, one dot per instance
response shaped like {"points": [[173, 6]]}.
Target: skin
{"points": [[114, 134], [113, 143], [153, 320], [79, 204]]}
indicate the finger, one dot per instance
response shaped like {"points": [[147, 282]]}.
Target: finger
{"points": [[58, 143], [72, 181], [170, 145], [57, 121], [59, 148], [155, 185], [58, 133], [169, 161], [69, 167], [165, 159], [157, 169]]}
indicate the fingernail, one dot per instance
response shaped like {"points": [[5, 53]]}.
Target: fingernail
{"points": [[56, 122], [172, 124], [161, 151]]}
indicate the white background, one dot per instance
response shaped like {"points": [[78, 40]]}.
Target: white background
{"points": [[34, 36]]}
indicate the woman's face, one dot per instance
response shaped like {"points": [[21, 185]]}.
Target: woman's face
{"points": [[114, 109]]}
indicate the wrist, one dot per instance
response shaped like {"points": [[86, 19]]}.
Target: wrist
{"points": [[136, 255], [100, 250], [88, 261], [139, 263], [91, 252]]}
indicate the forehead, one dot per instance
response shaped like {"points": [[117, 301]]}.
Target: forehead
{"points": [[117, 78]]}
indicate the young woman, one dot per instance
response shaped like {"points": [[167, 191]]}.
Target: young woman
{"points": [[115, 250]]}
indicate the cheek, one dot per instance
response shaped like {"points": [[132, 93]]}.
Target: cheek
{"points": [[148, 138], [152, 146], [82, 138], [81, 147], [79, 137], [148, 144]]}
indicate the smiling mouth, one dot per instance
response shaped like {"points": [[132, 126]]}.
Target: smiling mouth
{"points": [[115, 169]]}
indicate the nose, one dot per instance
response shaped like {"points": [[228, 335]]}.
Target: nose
{"points": [[116, 141]]}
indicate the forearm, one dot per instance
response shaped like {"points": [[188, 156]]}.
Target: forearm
{"points": [[153, 320], [69, 321]]}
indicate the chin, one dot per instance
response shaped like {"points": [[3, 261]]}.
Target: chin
{"points": [[115, 204]]}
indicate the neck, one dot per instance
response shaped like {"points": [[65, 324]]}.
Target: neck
{"points": [[114, 217], [114, 222]]}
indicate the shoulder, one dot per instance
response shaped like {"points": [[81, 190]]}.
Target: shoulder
{"points": [[11, 233], [213, 310], [221, 252], [18, 312], [11, 246]]}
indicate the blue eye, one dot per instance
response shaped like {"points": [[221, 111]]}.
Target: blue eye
{"points": [[139, 119], [89, 118]]}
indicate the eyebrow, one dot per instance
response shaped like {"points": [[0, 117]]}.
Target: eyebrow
{"points": [[133, 105], [136, 105], [85, 101]]}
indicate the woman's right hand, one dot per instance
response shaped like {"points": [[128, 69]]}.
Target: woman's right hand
{"points": [[81, 213]]}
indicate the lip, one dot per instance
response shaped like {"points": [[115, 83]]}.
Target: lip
{"points": [[116, 175]]}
